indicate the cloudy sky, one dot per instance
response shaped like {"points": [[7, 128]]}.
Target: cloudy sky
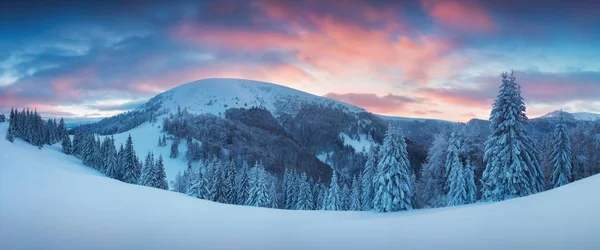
{"points": [[428, 58]]}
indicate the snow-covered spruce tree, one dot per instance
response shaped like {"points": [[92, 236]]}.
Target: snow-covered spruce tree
{"points": [[393, 187], [67, 147], [431, 184], [243, 185], [287, 188], [111, 164], [87, 150], [130, 163], [146, 172], [10, 134], [204, 185], [369, 179], [345, 197], [512, 164], [470, 179], [456, 183], [175, 148], [227, 193], [305, 197], [333, 201], [355, 195], [213, 173], [561, 154], [160, 177], [259, 195]]}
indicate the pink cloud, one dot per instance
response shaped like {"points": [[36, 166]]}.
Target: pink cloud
{"points": [[336, 47], [386, 104], [466, 16]]}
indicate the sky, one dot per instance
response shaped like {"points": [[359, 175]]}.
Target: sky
{"points": [[422, 58]]}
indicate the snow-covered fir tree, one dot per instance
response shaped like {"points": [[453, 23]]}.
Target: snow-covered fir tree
{"points": [[111, 164], [175, 148], [431, 183], [355, 195], [213, 173], [305, 196], [243, 185], [159, 175], [333, 200], [460, 182], [129, 163], [561, 154], [368, 179], [512, 165], [345, 197], [67, 147], [227, 193], [393, 187], [146, 172], [260, 195]]}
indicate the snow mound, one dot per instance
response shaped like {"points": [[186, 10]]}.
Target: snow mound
{"points": [[216, 95], [580, 116], [50, 201]]}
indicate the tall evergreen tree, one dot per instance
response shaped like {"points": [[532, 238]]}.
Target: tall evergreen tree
{"points": [[561, 154], [243, 184], [67, 147], [368, 179], [130, 164], [355, 195], [146, 172], [259, 195], [160, 177], [305, 197], [431, 184], [111, 163], [227, 193], [394, 187], [333, 201], [512, 165]]}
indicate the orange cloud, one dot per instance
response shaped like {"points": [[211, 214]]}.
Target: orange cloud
{"points": [[460, 14]]}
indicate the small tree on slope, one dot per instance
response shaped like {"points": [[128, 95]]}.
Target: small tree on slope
{"points": [[393, 187], [561, 154], [512, 165]]}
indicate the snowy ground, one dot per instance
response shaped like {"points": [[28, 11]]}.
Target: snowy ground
{"points": [[50, 201]]}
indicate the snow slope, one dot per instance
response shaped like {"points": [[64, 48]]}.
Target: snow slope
{"points": [[216, 95], [145, 139], [50, 201]]}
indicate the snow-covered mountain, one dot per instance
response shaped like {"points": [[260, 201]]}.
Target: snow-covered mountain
{"points": [[49, 200], [216, 95], [579, 116]]}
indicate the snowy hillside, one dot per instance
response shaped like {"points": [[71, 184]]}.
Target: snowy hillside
{"points": [[580, 116], [216, 95], [48, 200]]}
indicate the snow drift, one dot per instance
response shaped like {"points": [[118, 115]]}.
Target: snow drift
{"points": [[49, 200]]}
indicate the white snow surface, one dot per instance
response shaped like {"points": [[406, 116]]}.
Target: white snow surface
{"points": [[48, 200], [216, 95]]}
